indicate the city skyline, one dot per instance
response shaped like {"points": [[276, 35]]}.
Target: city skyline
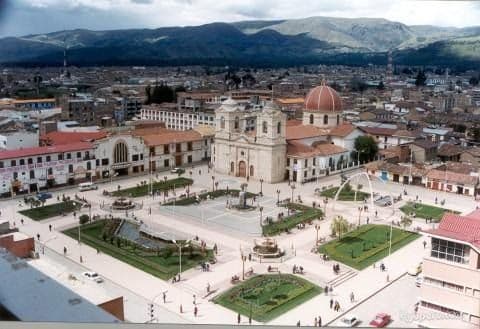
{"points": [[125, 14]]}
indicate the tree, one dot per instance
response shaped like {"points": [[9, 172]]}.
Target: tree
{"points": [[162, 94], [421, 78], [339, 226], [148, 92], [474, 81], [366, 147], [405, 221], [381, 86], [83, 219]]}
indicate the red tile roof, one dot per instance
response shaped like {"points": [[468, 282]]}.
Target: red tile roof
{"points": [[452, 177], [65, 137], [462, 228], [298, 149], [32, 151], [162, 136], [343, 130], [379, 131], [293, 122], [304, 131]]}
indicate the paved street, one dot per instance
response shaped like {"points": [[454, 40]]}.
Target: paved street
{"points": [[231, 232]]}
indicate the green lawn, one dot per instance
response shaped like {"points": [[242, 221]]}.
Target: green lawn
{"points": [[366, 245], [143, 190], [162, 265], [425, 211], [268, 296], [346, 194], [217, 193], [51, 210], [304, 214]]}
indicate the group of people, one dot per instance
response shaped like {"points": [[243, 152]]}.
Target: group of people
{"points": [[317, 322], [205, 267], [176, 278], [336, 268], [297, 269], [335, 305]]}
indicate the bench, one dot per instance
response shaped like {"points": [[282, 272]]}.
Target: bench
{"points": [[272, 269]]}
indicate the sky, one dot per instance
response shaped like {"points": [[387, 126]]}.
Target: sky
{"points": [[23, 17]]}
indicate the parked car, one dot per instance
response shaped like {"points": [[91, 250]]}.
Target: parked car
{"points": [[349, 321], [177, 171], [381, 320], [415, 270], [384, 201], [93, 276], [42, 196]]}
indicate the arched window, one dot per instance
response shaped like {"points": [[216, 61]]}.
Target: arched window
{"points": [[311, 119], [279, 128], [251, 171], [325, 119], [264, 127], [222, 123], [237, 123], [232, 167], [120, 153], [338, 119]]}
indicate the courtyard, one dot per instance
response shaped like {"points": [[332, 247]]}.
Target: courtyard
{"points": [[424, 211], [265, 297], [51, 210], [366, 245]]}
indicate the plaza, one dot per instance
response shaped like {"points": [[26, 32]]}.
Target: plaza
{"points": [[234, 233]]}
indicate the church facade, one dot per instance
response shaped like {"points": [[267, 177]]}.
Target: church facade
{"points": [[262, 144]]}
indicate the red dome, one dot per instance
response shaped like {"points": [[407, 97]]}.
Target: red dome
{"points": [[323, 99]]}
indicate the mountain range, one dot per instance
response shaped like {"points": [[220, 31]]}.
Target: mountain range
{"points": [[313, 40]]}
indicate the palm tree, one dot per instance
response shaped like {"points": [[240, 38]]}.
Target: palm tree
{"points": [[339, 226]]}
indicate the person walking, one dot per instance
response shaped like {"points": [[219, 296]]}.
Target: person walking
{"points": [[424, 244], [331, 303], [319, 321], [326, 290], [195, 311], [298, 323], [50, 227], [239, 318], [38, 236], [64, 251], [352, 297], [315, 322], [194, 300], [21, 221]]}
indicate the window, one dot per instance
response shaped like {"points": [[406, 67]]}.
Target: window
{"points": [[222, 123], [105, 162], [288, 161], [279, 128], [189, 146], [135, 157], [451, 251], [166, 149], [264, 127], [313, 172], [178, 147], [32, 174], [237, 123], [97, 162], [152, 150], [50, 171], [69, 155], [1, 164], [232, 167], [141, 156], [48, 159], [306, 162], [79, 155], [189, 159], [311, 119], [13, 163], [89, 165], [15, 175], [60, 156], [440, 308], [22, 162], [39, 159], [325, 119], [30, 161], [305, 174], [314, 161], [166, 163], [443, 284], [70, 169], [338, 119], [252, 171]]}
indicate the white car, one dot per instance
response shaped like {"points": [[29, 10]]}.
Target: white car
{"points": [[415, 270], [175, 170], [349, 321], [419, 280], [93, 276]]}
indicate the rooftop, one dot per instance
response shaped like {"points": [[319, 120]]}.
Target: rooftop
{"points": [[67, 137], [304, 131], [462, 228], [40, 150]]}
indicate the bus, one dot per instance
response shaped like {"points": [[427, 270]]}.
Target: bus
{"points": [[87, 186]]}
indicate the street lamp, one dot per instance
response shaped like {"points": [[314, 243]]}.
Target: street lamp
{"points": [[261, 186], [244, 259], [213, 183], [317, 228], [325, 202], [293, 188], [261, 213], [179, 245], [278, 197]]}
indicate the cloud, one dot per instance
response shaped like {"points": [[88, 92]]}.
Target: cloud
{"points": [[40, 16]]}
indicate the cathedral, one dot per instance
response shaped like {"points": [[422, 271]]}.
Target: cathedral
{"points": [[263, 145]]}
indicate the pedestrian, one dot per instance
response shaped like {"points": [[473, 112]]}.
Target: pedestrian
{"points": [[21, 221], [298, 323], [195, 311], [194, 300], [50, 227], [208, 288], [352, 297], [319, 321], [331, 303], [315, 322], [164, 297], [376, 214], [326, 290], [38, 236], [64, 251], [331, 289], [181, 309], [239, 318], [424, 244], [81, 259], [368, 219]]}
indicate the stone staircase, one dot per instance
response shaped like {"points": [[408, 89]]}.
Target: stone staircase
{"points": [[343, 277]]}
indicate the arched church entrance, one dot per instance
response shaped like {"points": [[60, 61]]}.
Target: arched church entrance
{"points": [[242, 169]]}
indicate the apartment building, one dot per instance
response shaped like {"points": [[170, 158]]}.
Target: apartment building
{"points": [[450, 292]]}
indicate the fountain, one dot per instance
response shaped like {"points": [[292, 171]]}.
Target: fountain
{"points": [[267, 248], [242, 201], [121, 204]]}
